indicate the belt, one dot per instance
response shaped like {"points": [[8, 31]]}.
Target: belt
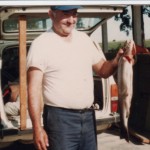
{"points": [[70, 110]]}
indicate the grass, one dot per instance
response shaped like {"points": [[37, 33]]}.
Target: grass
{"points": [[115, 45], [147, 43]]}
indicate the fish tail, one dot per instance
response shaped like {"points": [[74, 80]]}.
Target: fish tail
{"points": [[124, 133]]}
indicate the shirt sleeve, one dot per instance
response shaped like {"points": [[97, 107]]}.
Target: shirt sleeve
{"points": [[35, 57]]}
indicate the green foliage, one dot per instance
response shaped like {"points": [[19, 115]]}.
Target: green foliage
{"points": [[147, 43], [126, 25], [146, 10], [125, 18], [114, 46]]}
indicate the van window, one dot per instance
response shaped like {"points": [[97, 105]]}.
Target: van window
{"points": [[41, 24]]}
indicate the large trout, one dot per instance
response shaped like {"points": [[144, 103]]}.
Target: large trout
{"points": [[125, 85]]}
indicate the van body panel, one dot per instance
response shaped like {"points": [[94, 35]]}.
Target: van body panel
{"points": [[9, 53]]}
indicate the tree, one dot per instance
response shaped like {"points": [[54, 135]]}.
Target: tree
{"points": [[126, 20], [146, 10], [126, 24]]}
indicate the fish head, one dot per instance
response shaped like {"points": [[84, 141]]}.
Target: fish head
{"points": [[129, 48]]}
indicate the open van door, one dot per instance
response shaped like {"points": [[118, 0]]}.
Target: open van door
{"points": [[19, 26]]}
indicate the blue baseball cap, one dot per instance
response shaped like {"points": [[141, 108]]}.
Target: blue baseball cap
{"points": [[65, 7]]}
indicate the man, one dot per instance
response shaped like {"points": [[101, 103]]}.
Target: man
{"points": [[61, 61]]}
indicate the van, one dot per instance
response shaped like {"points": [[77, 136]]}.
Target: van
{"points": [[18, 27]]}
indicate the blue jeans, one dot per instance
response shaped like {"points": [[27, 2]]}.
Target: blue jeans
{"points": [[70, 129]]}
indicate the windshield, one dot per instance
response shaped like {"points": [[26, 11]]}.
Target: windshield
{"points": [[42, 24]]}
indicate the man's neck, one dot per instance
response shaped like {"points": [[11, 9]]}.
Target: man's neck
{"points": [[66, 38]]}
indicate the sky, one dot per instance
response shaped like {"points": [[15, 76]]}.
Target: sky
{"points": [[114, 32], [147, 26]]}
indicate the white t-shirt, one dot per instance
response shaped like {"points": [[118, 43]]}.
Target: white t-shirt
{"points": [[67, 68]]}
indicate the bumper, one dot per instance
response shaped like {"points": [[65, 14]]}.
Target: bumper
{"points": [[112, 118]]}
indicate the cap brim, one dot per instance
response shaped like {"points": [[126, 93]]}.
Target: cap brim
{"points": [[67, 7]]}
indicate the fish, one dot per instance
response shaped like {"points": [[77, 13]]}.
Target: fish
{"points": [[125, 86]]}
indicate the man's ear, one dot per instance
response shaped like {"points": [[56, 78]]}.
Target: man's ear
{"points": [[50, 14]]}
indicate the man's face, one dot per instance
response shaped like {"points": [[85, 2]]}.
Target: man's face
{"points": [[64, 21]]}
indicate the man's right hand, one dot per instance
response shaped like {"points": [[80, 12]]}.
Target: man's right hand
{"points": [[40, 139]]}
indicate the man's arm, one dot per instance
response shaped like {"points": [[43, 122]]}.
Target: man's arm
{"points": [[35, 77], [105, 68]]}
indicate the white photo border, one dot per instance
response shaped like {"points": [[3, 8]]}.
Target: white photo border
{"points": [[72, 2]]}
